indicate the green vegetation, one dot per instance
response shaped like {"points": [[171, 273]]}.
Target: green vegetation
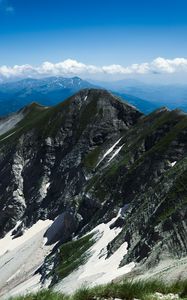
{"points": [[171, 136], [44, 121], [86, 117], [176, 198], [72, 255], [91, 158], [179, 189], [43, 295], [134, 138], [127, 290]]}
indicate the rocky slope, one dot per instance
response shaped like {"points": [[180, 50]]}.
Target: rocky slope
{"points": [[45, 160], [83, 160]]}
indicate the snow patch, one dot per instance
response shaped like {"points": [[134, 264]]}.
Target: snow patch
{"points": [[115, 153], [8, 123], [14, 275], [8, 243], [25, 253], [47, 185], [98, 269], [108, 151], [173, 163], [32, 285], [44, 187], [6, 137]]}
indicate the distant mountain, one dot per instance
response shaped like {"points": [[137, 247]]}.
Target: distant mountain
{"points": [[143, 105], [47, 91], [171, 95], [52, 90]]}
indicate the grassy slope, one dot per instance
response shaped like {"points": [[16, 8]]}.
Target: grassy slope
{"points": [[45, 121], [72, 255], [128, 290]]}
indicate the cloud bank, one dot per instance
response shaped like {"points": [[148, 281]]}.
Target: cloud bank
{"points": [[72, 67]]}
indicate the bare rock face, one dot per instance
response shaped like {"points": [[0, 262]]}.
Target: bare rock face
{"points": [[62, 228], [82, 160]]}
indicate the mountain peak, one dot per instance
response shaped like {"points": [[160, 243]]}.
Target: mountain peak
{"points": [[98, 94], [33, 106]]}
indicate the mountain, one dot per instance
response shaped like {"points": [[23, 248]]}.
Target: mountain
{"points": [[47, 91], [50, 91], [103, 184], [173, 96], [143, 105], [170, 95]]}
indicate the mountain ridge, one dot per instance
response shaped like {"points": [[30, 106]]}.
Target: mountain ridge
{"points": [[95, 162]]}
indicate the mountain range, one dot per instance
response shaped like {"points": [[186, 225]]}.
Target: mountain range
{"points": [[51, 90], [46, 91], [162, 94], [91, 190]]}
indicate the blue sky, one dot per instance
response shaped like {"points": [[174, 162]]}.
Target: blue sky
{"points": [[95, 32]]}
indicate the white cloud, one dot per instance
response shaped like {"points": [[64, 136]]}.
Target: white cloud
{"points": [[72, 67], [17, 71], [116, 69], [66, 67], [170, 65]]}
